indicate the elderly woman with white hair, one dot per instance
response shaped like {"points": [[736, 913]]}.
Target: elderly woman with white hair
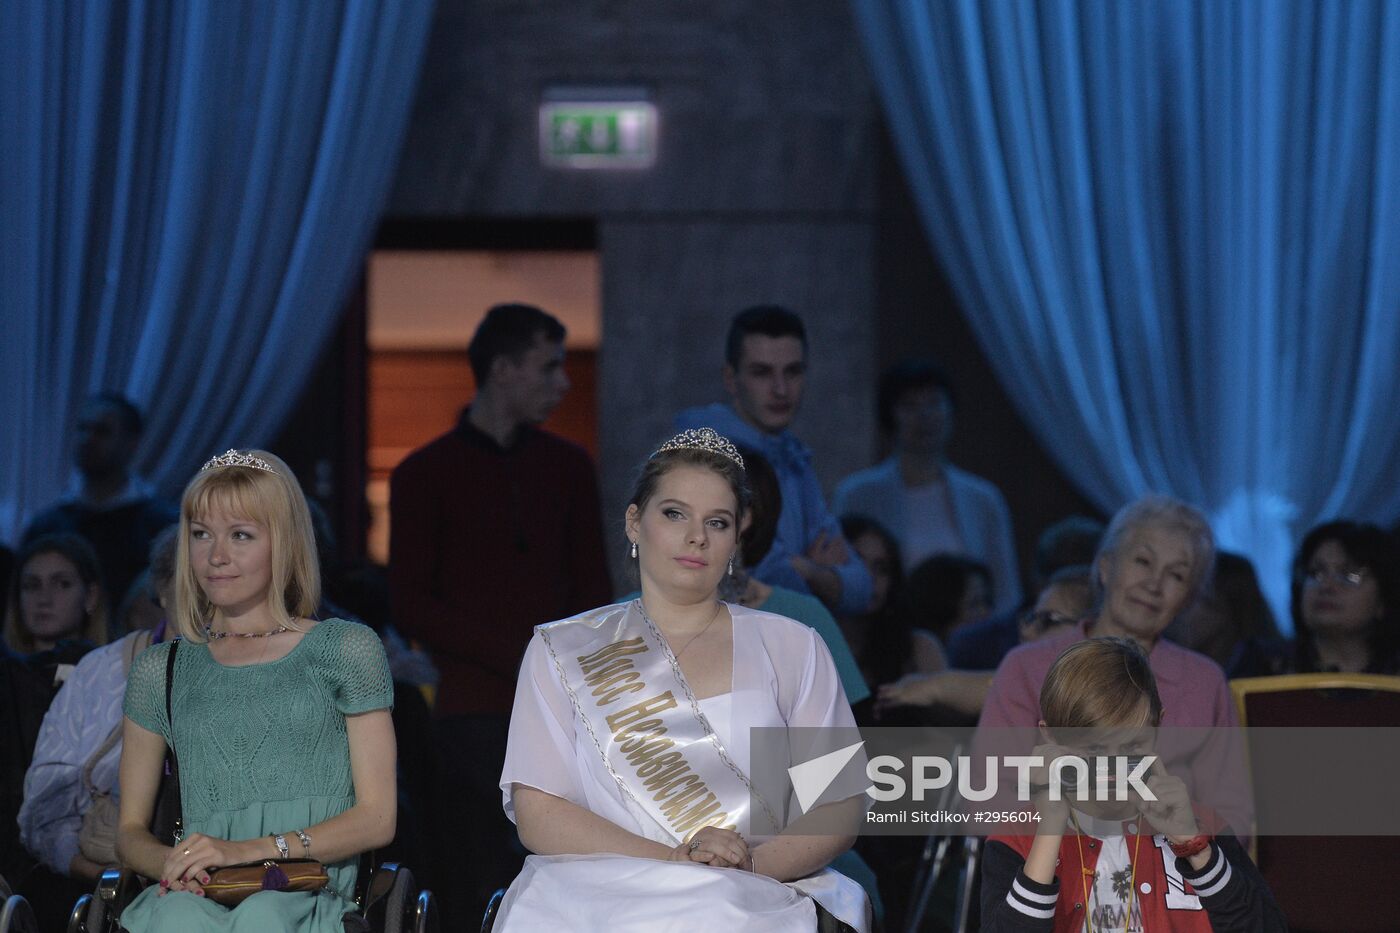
{"points": [[1155, 560]]}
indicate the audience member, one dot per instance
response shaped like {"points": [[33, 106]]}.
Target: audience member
{"points": [[1067, 543], [146, 604], [945, 593], [931, 506], [140, 609], [1088, 865], [885, 642], [1154, 562], [56, 595], [57, 613], [1066, 599], [759, 528], [496, 527], [1232, 623], [1068, 596], [764, 374], [755, 538], [75, 760], [279, 724], [69, 817], [607, 855], [114, 509], [1346, 585]]}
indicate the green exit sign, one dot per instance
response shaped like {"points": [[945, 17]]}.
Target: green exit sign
{"points": [[597, 134]]}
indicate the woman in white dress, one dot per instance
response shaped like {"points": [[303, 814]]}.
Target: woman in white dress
{"points": [[628, 766]]}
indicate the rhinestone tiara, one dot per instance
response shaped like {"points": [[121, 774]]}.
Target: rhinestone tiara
{"points": [[702, 439], [235, 458]]}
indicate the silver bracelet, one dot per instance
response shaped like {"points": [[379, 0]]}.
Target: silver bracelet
{"points": [[305, 841]]}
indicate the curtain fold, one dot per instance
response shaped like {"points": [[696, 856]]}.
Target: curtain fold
{"points": [[1175, 230], [187, 191]]}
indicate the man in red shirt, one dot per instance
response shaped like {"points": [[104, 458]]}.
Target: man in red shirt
{"points": [[496, 528]]}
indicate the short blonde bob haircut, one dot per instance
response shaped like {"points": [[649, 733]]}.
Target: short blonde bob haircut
{"points": [[274, 500], [1099, 682], [1168, 514]]}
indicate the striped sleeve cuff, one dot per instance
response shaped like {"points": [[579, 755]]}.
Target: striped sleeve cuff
{"points": [[1211, 879], [1032, 898]]}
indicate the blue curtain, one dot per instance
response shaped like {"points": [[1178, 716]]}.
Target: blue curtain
{"points": [[186, 193], [1175, 228]]}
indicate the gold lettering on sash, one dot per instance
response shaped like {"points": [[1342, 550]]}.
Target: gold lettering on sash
{"points": [[624, 647], [657, 704], [704, 811], [641, 738], [663, 779], [605, 669], [617, 692], [600, 684], [648, 768], [641, 759], [638, 735], [679, 786]]}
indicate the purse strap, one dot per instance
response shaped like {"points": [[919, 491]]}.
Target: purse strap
{"points": [[170, 724], [169, 716]]}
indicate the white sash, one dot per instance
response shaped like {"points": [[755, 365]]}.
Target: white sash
{"points": [[645, 722]]}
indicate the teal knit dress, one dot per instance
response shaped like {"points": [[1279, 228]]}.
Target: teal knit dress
{"points": [[263, 750]]}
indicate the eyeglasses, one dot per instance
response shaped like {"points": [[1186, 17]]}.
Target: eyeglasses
{"points": [[1350, 579], [1046, 619]]}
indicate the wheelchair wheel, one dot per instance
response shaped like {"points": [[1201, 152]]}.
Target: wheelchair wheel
{"points": [[425, 917], [492, 907], [90, 915], [78, 917], [16, 916]]}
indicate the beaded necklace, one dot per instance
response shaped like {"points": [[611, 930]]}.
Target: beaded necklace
{"points": [[213, 635]]}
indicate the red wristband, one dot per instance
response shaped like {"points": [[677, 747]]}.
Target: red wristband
{"points": [[1191, 846]]}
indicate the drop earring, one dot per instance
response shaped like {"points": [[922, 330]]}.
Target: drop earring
{"points": [[731, 565], [634, 550]]}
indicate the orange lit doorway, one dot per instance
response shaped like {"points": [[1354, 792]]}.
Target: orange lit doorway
{"points": [[428, 286]]}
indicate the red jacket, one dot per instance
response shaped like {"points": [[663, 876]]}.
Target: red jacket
{"points": [[1228, 894]]}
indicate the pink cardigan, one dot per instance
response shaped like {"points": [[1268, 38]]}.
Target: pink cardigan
{"points": [[1194, 694]]}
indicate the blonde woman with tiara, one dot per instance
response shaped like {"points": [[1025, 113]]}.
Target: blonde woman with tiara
{"points": [[281, 724]]}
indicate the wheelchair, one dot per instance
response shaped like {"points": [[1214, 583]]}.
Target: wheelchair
{"points": [[16, 916], [386, 898]]}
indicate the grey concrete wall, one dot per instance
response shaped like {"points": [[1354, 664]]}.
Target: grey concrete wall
{"points": [[764, 190]]}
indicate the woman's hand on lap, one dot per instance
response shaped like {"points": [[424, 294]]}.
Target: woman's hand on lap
{"points": [[190, 860], [721, 848]]}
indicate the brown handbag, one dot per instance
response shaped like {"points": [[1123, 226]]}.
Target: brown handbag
{"points": [[233, 884]]}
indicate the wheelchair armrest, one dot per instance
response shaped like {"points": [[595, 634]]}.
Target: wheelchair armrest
{"points": [[493, 906], [119, 887], [380, 883]]}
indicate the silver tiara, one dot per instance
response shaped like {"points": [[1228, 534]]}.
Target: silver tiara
{"points": [[234, 458], [702, 439]]}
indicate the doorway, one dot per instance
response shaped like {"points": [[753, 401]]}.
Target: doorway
{"points": [[423, 305]]}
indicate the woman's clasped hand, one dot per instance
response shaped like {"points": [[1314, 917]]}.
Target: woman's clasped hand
{"points": [[717, 847], [187, 866]]}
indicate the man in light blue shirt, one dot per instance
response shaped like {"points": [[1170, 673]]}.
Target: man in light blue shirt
{"points": [[764, 374]]}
